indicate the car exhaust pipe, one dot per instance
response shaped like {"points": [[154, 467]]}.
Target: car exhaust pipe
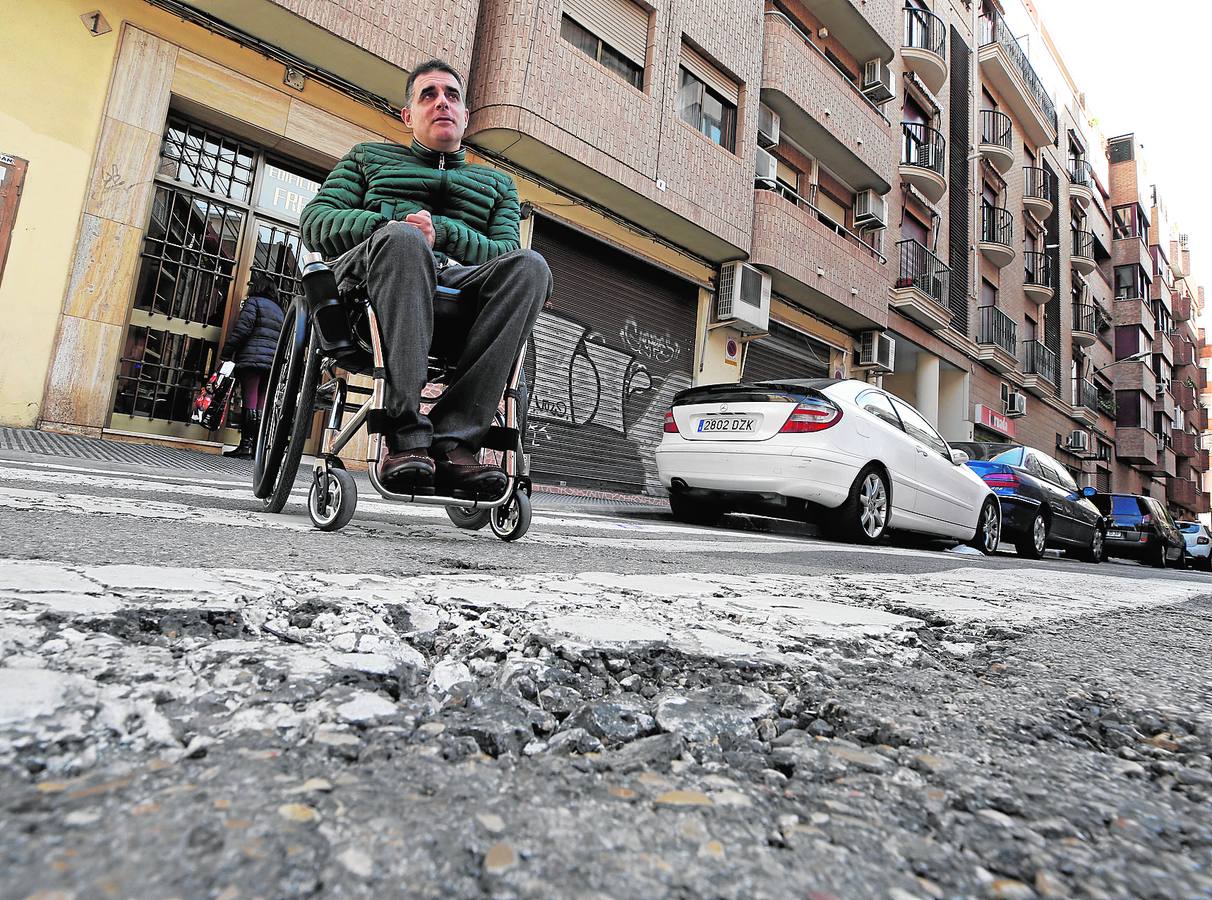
{"points": [[678, 486]]}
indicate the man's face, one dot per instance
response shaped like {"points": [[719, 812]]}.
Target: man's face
{"points": [[437, 115]]}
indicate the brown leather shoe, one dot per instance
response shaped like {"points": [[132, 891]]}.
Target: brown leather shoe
{"points": [[407, 472], [461, 474]]}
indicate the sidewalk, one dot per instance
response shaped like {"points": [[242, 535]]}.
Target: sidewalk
{"points": [[23, 444]]}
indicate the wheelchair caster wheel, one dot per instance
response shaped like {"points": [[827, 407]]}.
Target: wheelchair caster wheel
{"points": [[511, 520], [471, 519], [340, 504]]}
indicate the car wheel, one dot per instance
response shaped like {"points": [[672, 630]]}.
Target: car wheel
{"points": [[1097, 551], [866, 512], [1032, 544], [988, 528], [1159, 556], [693, 511]]}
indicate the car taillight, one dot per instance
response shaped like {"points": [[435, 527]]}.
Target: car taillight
{"points": [[1001, 480], [1201, 540], [1146, 519], [810, 415], [671, 427]]}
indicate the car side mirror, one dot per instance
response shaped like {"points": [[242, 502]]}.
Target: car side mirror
{"points": [[1089, 491], [959, 457]]}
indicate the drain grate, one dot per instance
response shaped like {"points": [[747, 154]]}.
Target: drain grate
{"points": [[75, 447]]}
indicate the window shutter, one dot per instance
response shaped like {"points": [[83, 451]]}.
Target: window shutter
{"points": [[620, 23], [698, 66]]}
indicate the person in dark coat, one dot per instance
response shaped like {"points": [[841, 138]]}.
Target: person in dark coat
{"points": [[251, 345]]}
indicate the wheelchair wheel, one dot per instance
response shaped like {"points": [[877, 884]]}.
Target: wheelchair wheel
{"points": [[338, 506], [511, 520], [286, 422], [471, 519]]}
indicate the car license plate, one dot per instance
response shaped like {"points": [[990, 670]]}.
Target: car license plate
{"points": [[1115, 535], [726, 424]]}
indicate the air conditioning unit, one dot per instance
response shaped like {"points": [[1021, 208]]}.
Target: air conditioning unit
{"points": [[870, 210], [1079, 442], [877, 351], [1016, 405], [767, 173], [742, 298], [1163, 385], [768, 126], [877, 82]]}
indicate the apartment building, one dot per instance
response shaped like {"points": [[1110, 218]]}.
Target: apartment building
{"points": [[722, 190]]}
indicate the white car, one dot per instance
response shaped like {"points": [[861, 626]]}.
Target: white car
{"points": [[801, 446], [1199, 545]]}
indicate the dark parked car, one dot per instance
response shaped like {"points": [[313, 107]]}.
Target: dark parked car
{"points": [[1042, 506], [1141, 528]]}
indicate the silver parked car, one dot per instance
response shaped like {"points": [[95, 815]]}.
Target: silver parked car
{"points": [[1199, 545]]}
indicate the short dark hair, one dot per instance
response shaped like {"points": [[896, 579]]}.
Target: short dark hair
{"points": [[262, 285], [430, 65]]}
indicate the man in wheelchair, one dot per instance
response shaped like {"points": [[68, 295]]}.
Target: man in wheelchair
{"points": [[402, 221]]}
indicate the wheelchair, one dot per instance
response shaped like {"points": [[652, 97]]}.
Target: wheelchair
{"points": [[328, 336]]}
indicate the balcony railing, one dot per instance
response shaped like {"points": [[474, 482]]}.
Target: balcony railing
{"points": [[808, 204], [1080, 173], [921, 269], [925, 31], [1085, 317], [1038, 269], [997, 225], [997, 328], [1083, 244], [1039, 360], [995, 31], [1037, 183], [996, 128], [923, 147], [1085, 394], [1107, 404]]}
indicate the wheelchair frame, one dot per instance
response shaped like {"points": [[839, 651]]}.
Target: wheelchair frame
{"points": [[332, 497]]}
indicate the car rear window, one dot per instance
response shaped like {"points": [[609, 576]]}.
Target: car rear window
{"points": [[1125, 508], [1010, 457], [1189, 527]]}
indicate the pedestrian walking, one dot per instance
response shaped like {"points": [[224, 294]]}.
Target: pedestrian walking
{"points": [[251, 346]]}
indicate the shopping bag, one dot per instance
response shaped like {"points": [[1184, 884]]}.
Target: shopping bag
{"points": [[210, 406]]}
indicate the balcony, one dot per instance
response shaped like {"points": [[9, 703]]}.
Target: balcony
{"points": [[925, 47], [1163, 403], [1081, 184], [997, 235], [923, 155], [1184, 396], [1182, 309], [1040, 366], [1037, 192], [822, 110], [1039, 279], [1136, 446], [1085, 401], [1181, 492], [1163, 346], [816, 264], [1199, 462], [920, 287], [1135, 375], [1082, 258], [997, 140], [868, 30], [1085, 324], [1005, 65], [1134, 311], [1184, 443], [997, 339], [1184, 354]]}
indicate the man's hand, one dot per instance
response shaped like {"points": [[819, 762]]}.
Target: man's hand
{"points": [[422, 221]]}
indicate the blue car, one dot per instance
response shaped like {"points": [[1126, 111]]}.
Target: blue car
{"points": [[1042, 506]]}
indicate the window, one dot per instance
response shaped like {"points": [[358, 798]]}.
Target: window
{"points": [[1129, 221], [787, 181], [595, 48], [831, 212], [879, 406], [1131, 283], [988, 293], [919, 429], [707, 111]]}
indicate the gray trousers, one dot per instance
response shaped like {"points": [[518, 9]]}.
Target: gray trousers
{"points": [[500, 302]]}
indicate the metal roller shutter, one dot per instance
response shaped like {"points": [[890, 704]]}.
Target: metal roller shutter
{"points": [[620, 23], [604, 363], [702, 69], [786, 353]]}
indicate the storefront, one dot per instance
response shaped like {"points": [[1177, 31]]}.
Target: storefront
{"points": [[785, 353], [606, 359]]}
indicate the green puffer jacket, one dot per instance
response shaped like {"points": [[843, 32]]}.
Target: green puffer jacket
{"points": [[474, 208]]}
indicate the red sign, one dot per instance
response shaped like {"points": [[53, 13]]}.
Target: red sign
{"points": [[994, 421]]}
